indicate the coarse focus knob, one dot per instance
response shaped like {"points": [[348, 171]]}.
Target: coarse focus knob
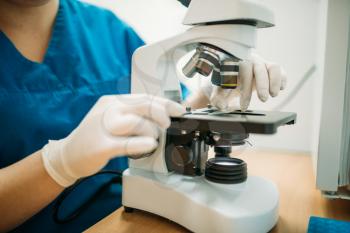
{"points": [[181, 156]]}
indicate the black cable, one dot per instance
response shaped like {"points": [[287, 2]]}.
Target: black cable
{"points": [[85, 205]]}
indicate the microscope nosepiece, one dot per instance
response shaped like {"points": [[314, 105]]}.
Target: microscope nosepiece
{"points": [[208, 60], [204, 61]]}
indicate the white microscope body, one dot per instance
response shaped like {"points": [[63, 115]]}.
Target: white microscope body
{"points": [[193, 202]]}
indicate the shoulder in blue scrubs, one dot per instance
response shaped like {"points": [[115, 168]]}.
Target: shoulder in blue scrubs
{"points": [[89, 56]]}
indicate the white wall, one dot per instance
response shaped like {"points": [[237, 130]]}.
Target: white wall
{"points": [[152, 19], [292, 43]]}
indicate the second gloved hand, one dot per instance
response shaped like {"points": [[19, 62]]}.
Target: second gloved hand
{"points": [[117, 125], [267, 78]]}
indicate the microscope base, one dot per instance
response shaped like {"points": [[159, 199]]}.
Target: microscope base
{"points": [[202, 206]]}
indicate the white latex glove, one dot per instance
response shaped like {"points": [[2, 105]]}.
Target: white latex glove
{"points": [[266, 77], [116, 126]]}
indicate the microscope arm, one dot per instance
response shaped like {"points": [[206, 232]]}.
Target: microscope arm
{"points": [[154, 66]]}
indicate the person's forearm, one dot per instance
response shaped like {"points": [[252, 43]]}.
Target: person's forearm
{"points": [[25, 189], [196, 100]]}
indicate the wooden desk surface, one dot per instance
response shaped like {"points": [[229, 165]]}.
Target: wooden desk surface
{"points": [[299, 198]]}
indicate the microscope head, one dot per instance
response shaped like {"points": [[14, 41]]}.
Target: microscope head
{"points": [[210, 58], [223, 33]]}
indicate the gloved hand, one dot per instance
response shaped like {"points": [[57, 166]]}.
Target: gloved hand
{"points": [[267, 78], [117, 125]]}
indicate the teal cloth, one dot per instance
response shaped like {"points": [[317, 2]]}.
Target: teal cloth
{"points": [[326, 225]]}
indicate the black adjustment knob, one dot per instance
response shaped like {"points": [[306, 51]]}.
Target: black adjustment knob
{"points": [[222, 151], [181, 156], [225, 170]]}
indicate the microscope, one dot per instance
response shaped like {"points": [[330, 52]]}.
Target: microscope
{"points": [[179, 181]]}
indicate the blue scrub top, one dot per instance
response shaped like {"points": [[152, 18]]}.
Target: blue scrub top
{"points": [[89, 56]]}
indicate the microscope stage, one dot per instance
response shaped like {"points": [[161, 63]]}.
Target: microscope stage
{"points": [[257, 122]]}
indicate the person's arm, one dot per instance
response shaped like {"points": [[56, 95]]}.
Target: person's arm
{"points": [[117, 125], [25, 189]]}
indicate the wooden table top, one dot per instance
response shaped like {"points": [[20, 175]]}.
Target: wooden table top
{"points": [[299, 199]]}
